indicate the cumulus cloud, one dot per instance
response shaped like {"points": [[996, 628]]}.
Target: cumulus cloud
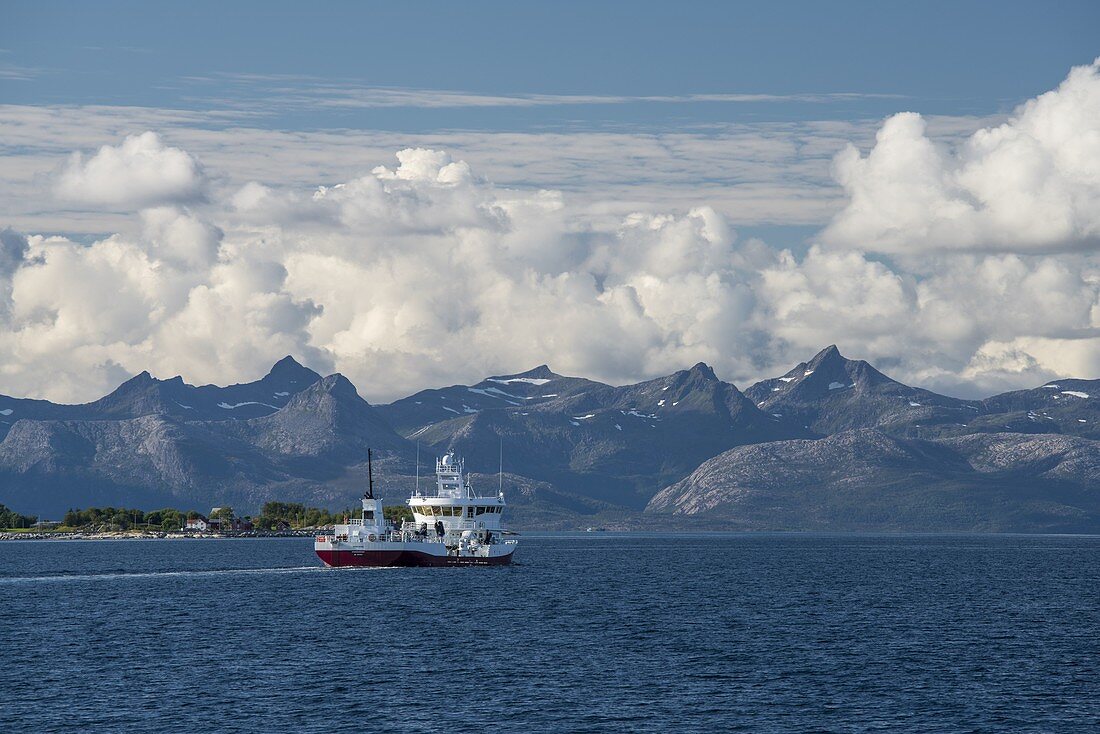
{"points": [[1031, 184], [140, 172], [179, 238], [426, 272]]}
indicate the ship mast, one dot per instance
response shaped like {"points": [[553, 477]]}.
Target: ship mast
{"points": [[370, 477]]}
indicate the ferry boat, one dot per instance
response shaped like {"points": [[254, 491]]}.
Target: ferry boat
{"points": [[453, 527]]}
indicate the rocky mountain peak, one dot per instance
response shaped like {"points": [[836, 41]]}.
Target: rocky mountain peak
{"points": [[289, 369], [142, 389], [832, 369], [830, 355], [542, 372], [703, 371], [335, 385]]}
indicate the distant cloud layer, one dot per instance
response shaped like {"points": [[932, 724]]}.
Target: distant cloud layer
{"points": [[291, 91], [1029, 185], [425, 272]]}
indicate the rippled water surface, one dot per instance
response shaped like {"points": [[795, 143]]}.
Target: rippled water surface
{"points": [[591, 632]]}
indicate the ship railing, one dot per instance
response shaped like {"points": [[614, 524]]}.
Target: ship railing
{"points": [[451, 525], [393, 536], [410, 533]]}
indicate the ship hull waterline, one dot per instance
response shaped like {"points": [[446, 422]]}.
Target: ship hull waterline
{"points": [[404, 558]]}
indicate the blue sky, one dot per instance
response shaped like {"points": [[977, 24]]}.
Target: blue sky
{"points": [[952, 58], [617, 189]]}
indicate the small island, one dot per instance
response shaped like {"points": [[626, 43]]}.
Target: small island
{"points": [[275, 519]]}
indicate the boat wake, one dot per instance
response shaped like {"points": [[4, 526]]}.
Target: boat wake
{"points": [[113, 575]]}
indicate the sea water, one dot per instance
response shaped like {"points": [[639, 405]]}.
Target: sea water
{"points": [[587, 632]]}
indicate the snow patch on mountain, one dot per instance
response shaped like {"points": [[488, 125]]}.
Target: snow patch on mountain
{"points": [[528, 380], [492, 392]]}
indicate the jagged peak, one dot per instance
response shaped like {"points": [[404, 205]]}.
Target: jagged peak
{"points": [[704, 370], [335, 385], [141, 379], [336, 382], [830, 364], [140, 388], [542, 372], [290, 367], [828, 354]]}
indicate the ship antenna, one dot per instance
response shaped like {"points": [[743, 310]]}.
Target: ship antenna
{"points": [[418, 468], [500, 476], [370, 477]]}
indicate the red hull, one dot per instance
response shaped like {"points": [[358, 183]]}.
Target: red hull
{"points": [[344, 558]]}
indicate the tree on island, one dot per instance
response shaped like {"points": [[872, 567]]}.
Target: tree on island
{"points": [[273, 516], [222, 513], [115, 518], [12, 519]]}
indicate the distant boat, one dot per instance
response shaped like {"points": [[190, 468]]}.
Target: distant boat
{"points": [[596, 530], [453, 527]]}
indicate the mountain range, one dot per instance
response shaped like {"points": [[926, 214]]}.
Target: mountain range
{"points": [[833, 444]]}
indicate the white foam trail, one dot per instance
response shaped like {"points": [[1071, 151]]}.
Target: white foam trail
{"points": [[160, 574]]}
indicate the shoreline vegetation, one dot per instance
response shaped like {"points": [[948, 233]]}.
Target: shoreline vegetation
{"points": [[276, 519]]}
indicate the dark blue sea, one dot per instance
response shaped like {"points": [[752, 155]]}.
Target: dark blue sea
{"points": [[585, 633]]}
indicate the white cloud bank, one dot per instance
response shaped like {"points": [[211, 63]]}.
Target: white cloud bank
{"points": [[142, 171], [1031, 184], [427, 273]]}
